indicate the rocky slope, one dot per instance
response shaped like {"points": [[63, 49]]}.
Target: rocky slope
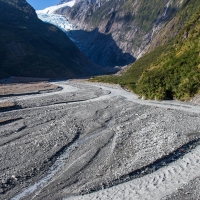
{"points": [[171, 71], [174, 26], [135, 26], [30, 47], [98, 47]]}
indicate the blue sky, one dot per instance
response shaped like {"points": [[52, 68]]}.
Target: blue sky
{"points": [[41, 4]]}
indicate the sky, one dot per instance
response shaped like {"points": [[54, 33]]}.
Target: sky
{"points": [[41, 4]]}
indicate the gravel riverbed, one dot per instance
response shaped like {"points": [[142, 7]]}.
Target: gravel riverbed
{"points": [[98, 141]]}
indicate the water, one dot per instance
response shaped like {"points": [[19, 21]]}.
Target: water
{"points": [[54, 169]]}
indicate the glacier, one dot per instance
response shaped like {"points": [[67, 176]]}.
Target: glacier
{"points": [[48, 15], [58, 20]]}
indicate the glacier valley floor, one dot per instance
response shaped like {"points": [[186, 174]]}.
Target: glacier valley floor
{"points": [[98, 141]]}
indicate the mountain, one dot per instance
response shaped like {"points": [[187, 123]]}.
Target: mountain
{"points": [[176, 72], [171, 70], [174, 25], [48, 15], [30, 47], [98, 47], [132, 24]]}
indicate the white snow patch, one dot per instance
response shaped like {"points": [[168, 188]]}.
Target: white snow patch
{"points": [[52, 9], [47, 15], [58, 20]]}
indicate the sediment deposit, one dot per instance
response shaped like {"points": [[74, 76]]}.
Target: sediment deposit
{"points": [[97, 139]]}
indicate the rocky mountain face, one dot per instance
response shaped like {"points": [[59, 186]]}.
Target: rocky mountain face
{"points": [[135, 26], [172, 28], [30, 47], [171, 70], [99, 47]]}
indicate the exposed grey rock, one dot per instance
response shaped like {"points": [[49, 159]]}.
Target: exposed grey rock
{"points": [[89, 138], [119, 19]]}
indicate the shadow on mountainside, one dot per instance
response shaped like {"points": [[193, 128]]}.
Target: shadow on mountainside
{"points": [[100, 48], [32, 48]]}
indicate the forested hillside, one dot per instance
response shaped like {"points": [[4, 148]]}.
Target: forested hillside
{"points": [[29, 47], [172, 70], [176, 73]]}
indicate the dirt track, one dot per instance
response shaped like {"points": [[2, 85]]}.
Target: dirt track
{"points": [[88, 136]]}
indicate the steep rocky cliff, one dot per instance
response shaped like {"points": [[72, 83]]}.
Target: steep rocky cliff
{"points": [[30, 47], [175, 24], [172, 70], [133, 24]]}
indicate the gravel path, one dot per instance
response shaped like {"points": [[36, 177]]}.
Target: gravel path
{"points": [[98, 139]]}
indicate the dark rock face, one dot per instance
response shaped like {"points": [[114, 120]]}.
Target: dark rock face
{"points": [[132, 24], [30, 47], [100, 48]]}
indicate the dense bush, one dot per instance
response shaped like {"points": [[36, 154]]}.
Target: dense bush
{"points": [[177, 71]]}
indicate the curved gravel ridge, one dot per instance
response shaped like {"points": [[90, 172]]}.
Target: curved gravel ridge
{"points": [[155, 186], [65, 89], [172, 104], [114, 90], [89, 135]]}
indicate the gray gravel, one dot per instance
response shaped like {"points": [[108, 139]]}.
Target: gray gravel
{"points": [[88, 137], [189, 191]]}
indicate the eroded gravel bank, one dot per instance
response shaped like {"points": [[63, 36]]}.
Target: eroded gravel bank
{"points": [[103, 136]]}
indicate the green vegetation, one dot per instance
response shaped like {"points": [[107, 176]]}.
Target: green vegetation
{"points": [[186, 10], [176, 73], [147, 13], [170, 71], [29, 47], [103, 12], [131, 77]]}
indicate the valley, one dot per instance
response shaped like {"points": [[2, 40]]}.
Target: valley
{"points": [[98, 47], [91, 136], [132, 135]]}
